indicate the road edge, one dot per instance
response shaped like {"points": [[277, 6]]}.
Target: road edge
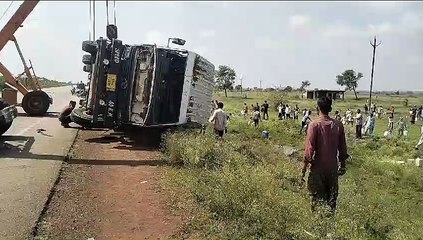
{"points": [[37, 225]]}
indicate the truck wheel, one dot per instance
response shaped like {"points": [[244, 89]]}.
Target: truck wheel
{"points": [[81, 117], [36, 103], [4, 127], [87, 59], [90, 47]]}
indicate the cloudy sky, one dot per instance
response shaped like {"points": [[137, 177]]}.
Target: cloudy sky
{"points": [[280, 43]]}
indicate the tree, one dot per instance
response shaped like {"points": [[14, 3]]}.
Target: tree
{"points": [[238, 87], [225, 78], [304, 84], [349, 79]]}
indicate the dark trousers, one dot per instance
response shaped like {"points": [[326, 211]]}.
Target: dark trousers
{"points": [[323, 188], [65, 120], [358, 131], [219, 133], [256, 122]]}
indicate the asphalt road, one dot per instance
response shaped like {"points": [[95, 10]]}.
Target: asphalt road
{"points": [[30, 160]]}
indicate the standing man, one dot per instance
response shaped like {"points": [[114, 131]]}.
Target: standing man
{"points": [[256, 117], [64, 116], [305, 121], [326, 153], [219, 120], [280, 107], [358, 124], [288, 112], [337, 116], [401, 127], [245, 110], [421, 139], [265, 110]]}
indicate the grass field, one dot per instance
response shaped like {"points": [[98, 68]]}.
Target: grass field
{"points": [[246, 187]]}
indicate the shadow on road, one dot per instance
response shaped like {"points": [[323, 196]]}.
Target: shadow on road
{"points": [[47, 115], [25, 144], [136, 139]]}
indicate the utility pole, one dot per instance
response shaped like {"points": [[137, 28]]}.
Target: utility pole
{"points": [[260, 84], [374, 45], [240, 79]]}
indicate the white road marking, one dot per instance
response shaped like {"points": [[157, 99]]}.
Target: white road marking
{"points": [[28, 128]]}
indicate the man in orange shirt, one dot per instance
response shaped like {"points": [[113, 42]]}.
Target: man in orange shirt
{"points": [[325, 153]]}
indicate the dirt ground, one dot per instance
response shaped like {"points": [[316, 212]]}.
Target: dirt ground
{"points": [[109, 190]]}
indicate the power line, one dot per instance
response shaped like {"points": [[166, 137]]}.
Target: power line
{"points": [[107, 11], [114, 12], [91, 19], [7, 9]]}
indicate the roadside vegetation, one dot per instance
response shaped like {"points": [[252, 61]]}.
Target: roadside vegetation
{"points": [[246, 187], [44, 83]]}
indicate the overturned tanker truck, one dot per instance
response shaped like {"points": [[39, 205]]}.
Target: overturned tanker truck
{"points": [[144, 85]]}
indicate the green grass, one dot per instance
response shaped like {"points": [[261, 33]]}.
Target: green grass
{"points": [[245, 187]]}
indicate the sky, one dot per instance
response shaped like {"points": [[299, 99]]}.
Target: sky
{"points": [[278, 43]]}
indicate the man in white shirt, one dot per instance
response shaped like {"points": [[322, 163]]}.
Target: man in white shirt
{"points": [[280, 107], [219, 120], [288, 112], [421, 139]]}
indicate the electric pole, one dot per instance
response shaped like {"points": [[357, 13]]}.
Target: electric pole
{"points": [[260, 84], [240, 79], [374, 45]]}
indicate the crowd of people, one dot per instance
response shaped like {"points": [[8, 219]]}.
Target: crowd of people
{"points": [[326, 162], [365, 122]]}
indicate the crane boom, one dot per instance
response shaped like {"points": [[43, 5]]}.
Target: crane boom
{"points": [[16, 21], [37, 101]]}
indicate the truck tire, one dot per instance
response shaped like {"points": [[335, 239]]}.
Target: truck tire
{"points": [[4, 127], [36, 103], [81, 117], [87, 59], [87, 68], [89, 47]]}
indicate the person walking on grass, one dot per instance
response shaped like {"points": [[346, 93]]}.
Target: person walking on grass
{"points": [[256, 117], [219, 120], [245, 110], [401, 127], [325, 153], [370, 124], [337, 116], [349, 117], [265, 110], [296, 112], [305, 121], [421, 139], [358, 124], [390, 124], [280, 107], [288, 112], [413, 114]]}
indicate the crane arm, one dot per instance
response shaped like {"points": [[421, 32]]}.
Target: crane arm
{"points": [[16, 21], [6, 34]]}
